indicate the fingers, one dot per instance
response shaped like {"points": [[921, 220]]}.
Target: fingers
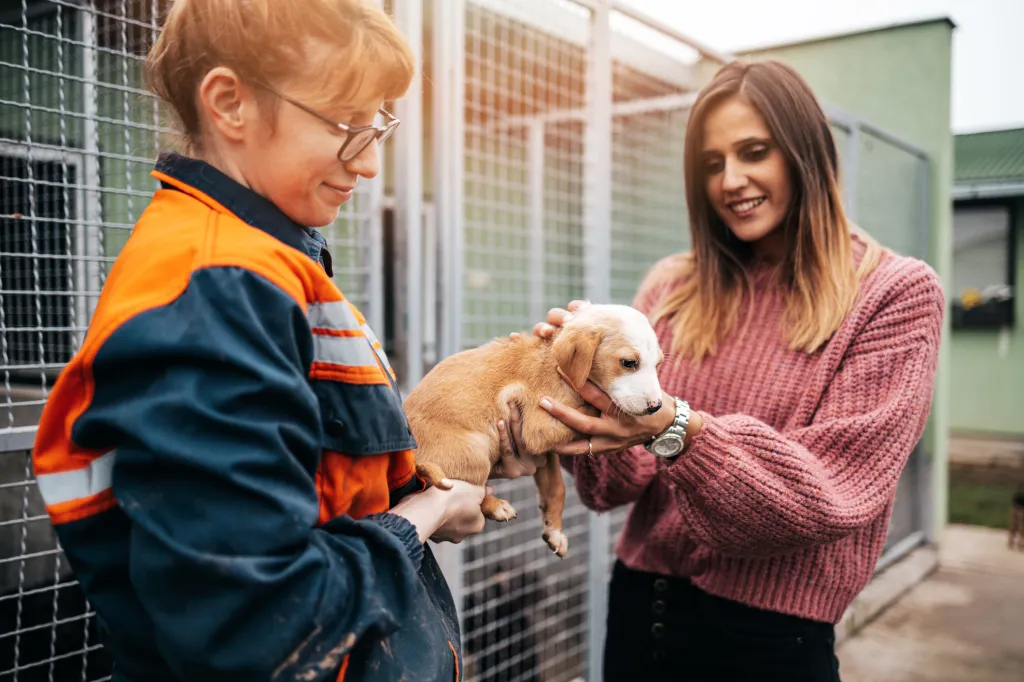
{"points": [[595, 396], [558, 316], [601, 446], [543, 330], [574, 419], [515, 421], [506, 447], [505, 467], [510, 463]]}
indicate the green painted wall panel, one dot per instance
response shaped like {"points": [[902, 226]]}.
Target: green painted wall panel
{"points": [[988, 368]]}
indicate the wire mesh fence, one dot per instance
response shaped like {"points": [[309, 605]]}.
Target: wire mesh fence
{"points": [[529, 191]]}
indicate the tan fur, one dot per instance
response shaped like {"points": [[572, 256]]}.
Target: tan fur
{"points": [[454, 411]]}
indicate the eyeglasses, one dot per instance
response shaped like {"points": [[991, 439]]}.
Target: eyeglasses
{"points": [[357, 138]]}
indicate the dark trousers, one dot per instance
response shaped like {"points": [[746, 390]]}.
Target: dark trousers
{"points": [[662, 628]]}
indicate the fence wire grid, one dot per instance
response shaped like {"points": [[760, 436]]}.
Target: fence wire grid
{"points": [[552, 142]]}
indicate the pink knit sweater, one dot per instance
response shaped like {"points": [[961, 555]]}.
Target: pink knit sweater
{"points": [[783, 500]]}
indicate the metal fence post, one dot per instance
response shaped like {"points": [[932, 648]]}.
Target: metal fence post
{"points": [[535, 163], [926, 470], [597, 155], [408, 17], [850, 172], [597, 188], [449, 130], [91, 272], [448, 107]]}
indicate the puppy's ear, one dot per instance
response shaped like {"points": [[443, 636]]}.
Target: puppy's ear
{"points": [[574, 352]]}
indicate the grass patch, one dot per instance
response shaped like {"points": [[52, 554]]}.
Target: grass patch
{"points": [[980, 504]]}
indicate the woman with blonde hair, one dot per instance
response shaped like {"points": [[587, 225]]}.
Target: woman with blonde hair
{"points": [[808, 355]]}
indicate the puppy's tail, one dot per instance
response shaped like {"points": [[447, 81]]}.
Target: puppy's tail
{"points": [[433, 475]]}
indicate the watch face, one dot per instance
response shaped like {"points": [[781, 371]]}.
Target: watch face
{"points": [[668, 446]]}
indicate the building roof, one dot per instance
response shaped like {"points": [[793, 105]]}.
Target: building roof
{"points": [[992, 156], [831, 37]]}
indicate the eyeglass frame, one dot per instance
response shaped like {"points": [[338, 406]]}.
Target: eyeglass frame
{"points": [[383, 132]]}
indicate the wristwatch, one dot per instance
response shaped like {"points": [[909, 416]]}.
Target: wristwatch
{"points": [[669, 443]]}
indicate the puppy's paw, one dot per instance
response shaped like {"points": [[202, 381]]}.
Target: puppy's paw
{"points": [[557, 541], [497, 509]]}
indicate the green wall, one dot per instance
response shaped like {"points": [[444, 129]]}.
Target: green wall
{"points": [[988, 368], [899, 78]]}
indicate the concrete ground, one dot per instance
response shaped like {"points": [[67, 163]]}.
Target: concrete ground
{"points": [[964, 623]]}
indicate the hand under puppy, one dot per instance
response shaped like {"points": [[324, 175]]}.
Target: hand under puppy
{"points": [[512, 462]]}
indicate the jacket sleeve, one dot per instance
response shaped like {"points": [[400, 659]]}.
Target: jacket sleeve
{"points": [[747, 489], [218, 435], [617, 479]]}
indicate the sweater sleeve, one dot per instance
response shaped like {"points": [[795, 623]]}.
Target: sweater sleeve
{"points": [[613, 480], [747, 489]]}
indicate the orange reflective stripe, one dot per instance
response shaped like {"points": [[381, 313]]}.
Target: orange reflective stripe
{"points": [[344, 669], [455, 656], [355, 333], [363, 376]]}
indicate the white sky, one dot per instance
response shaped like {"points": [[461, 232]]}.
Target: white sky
{"points": [[988, 43]]}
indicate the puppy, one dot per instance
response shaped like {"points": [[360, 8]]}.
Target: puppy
{"points": [[453, 412]]}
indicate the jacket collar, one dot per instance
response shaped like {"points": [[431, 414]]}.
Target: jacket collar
{"points": [[174, 170]]}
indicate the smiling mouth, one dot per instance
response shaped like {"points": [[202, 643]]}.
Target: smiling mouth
{"points": [[345, 191], [747, 206]]}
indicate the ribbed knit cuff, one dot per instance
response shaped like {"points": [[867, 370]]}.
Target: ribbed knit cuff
{"points": [[625, 464], [402, 529]]}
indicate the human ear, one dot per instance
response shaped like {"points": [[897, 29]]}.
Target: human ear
{"points": [[223, 100]]}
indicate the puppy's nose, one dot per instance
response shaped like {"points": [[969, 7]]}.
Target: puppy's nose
{"points": [[653, 407]]}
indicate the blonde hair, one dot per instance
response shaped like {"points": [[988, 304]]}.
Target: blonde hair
{"points": [[268, 42], [818, 274]]}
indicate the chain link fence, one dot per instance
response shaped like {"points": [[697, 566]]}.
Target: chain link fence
{"points": [[551, 140]]}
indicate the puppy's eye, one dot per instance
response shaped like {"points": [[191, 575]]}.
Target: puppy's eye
{"points": [[630, 364]]}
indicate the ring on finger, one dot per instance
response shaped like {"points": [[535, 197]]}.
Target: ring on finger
{"points": [[590, 446]]}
